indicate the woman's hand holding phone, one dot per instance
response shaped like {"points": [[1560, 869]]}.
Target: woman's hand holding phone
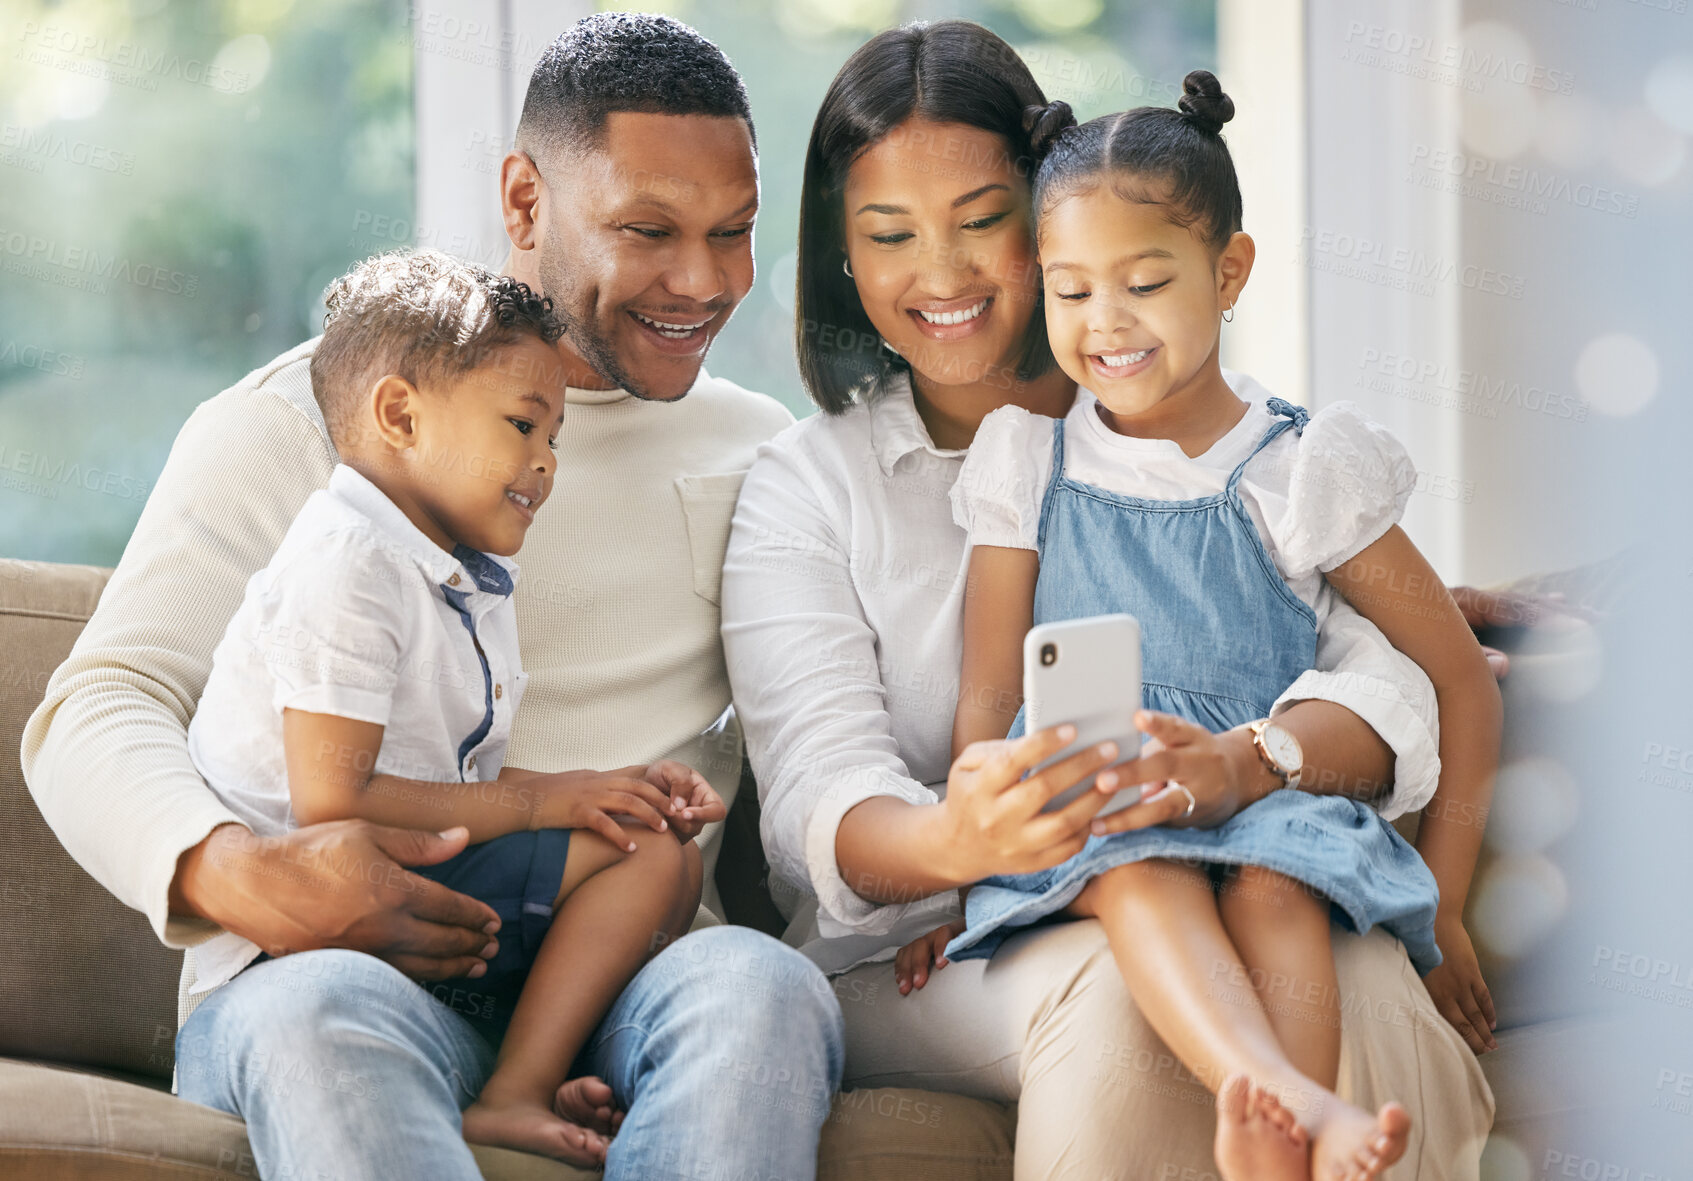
{"points": [[992, 814]]}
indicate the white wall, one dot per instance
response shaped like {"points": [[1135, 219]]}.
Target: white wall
{"points": [[1371, 244], [1261, 65], [473, 59]]}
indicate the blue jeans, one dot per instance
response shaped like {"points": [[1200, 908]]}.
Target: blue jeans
{"points": [[724, 1050]]}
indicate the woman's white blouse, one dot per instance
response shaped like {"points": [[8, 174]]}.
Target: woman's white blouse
{"points": [[843, 593]]}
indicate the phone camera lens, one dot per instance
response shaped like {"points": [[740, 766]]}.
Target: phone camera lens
{"points": [[1048, 654]]}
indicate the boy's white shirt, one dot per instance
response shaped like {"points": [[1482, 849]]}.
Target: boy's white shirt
{"points": [[617, 615], [351, 617]]}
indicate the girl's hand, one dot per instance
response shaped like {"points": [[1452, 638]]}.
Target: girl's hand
{"points": [[1457, 989], [1211, 766], [693, 802], [992, 815], [911, 965]]}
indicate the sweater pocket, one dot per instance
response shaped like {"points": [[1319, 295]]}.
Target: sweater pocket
{"points": [[708, 504]]}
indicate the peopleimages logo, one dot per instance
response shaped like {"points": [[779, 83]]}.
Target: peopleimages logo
{"points": [[28, 146], [1449, 387], [34, 256], [1480, 65], [1514, 184], [124, 62], [55, 472], [1404, 268], [48, 361]]}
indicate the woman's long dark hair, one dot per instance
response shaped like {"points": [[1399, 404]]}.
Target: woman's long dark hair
{"points": [[947, 72]]}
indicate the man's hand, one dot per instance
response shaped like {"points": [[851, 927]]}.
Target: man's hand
{"points": [[342, 883], [1457, 989], [693, 802], [1506, 609]]}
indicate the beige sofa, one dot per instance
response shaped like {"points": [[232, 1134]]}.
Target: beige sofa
{"points": [[88, 1025]]}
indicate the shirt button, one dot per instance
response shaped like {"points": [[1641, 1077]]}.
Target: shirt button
{"points": [[496, 690], [471, 765], [453, 581]]}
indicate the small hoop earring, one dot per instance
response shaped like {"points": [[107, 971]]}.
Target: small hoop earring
{"points": [[846, 265], [1228, 315]]}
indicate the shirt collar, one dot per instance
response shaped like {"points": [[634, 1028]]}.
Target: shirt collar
{"points": [[577, 396], [493, 573], [896, 429]]}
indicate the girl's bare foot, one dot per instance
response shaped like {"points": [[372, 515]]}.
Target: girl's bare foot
{"points": [[588, 1101], [1257, 1138], [532, 1127], [1353, 1145]]}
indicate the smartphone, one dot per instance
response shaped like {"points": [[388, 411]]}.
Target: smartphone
{"points": [[1085, 672]]}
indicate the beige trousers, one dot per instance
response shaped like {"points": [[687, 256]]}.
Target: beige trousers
{"points": [[1048, 1024]]}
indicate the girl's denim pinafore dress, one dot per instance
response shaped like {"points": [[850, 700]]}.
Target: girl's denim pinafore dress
{"points": [[1223, 636]]}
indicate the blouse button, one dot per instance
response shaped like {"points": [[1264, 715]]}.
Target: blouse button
{"points": [[453, 581], [471, 764], [496, 690]]}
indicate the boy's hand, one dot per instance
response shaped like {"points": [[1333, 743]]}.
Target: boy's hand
{"points": [[587, 799], [693, 803], [911, 965], [1457, 989]]}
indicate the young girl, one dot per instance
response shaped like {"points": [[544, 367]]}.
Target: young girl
{"points": [[1225, 521]]}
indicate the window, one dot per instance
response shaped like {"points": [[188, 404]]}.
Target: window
{"points": [[178, 184]]}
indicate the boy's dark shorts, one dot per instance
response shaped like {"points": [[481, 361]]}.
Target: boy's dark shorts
{"points": [[518, 875]]}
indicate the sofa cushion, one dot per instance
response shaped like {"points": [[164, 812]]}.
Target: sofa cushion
{"points": [[84, 979], [895, 1134], [59, 1125]]}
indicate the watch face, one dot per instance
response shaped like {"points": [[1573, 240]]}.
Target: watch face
{"points": [[1284, 748]]}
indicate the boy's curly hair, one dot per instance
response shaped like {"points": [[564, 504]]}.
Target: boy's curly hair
{"points": [[422, 315]]}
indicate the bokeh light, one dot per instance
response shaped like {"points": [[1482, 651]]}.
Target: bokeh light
{"points": [[1617, 373]]}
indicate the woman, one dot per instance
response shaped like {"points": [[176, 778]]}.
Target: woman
{"points": [[919, 313]]}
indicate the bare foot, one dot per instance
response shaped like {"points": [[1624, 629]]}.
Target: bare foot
{"points": [[1257, 1138], [588, 1101], [1353, 1145], [532, 1127]]}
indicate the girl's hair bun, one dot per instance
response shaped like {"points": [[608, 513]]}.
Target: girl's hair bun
{"points": [[1204, 102], [1045, 124]]}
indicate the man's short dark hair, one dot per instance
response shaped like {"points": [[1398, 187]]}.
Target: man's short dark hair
{"points": [[625, 61], [423, 315]]}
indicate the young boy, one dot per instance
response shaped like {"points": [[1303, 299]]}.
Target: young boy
{"points": [[372, 671]]}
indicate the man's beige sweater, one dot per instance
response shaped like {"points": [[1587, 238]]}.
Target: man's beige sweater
{"points": [[616, 602]]}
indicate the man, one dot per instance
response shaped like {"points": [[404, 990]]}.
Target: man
{"points": [[629, 200]]}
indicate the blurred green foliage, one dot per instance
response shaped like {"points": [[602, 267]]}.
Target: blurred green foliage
{"points": [[176, 180]]}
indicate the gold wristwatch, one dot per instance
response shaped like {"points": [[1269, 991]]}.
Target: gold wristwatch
{"points": [[1279, 749]]}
